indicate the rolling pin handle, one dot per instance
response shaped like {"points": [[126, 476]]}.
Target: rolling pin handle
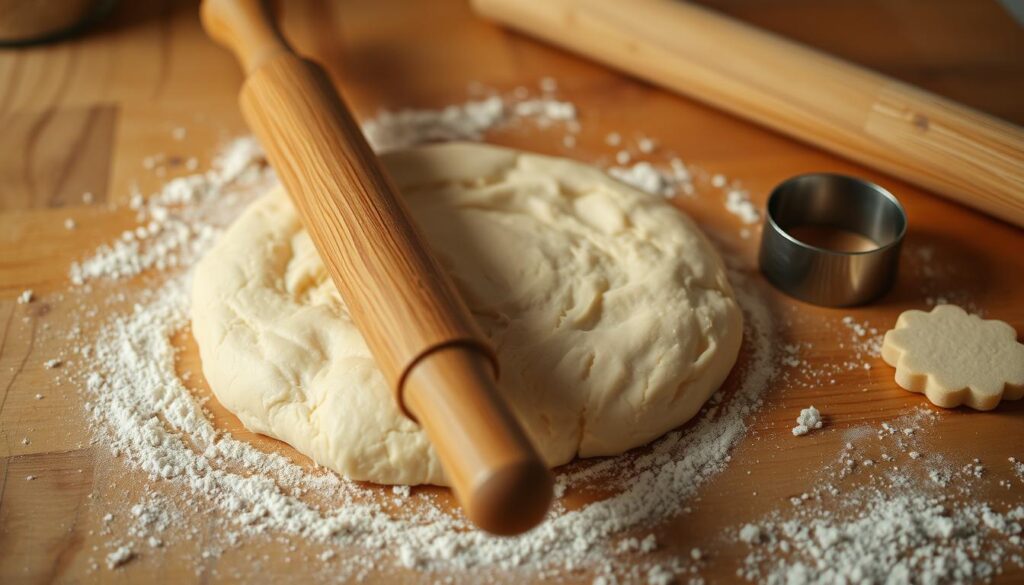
{"points": [[502, 487], [247, 27]]}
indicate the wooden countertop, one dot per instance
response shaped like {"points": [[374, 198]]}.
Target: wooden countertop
{"points": [[82, 115]]}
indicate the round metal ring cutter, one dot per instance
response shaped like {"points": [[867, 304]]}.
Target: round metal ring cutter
{"points": [[831, 239]]}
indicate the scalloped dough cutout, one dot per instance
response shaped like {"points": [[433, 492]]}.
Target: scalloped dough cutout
{"points": [[956, 358]]}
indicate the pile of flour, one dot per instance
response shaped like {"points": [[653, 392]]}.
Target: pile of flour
{"points": [[909, 516], [469, 120], [155, 423], [882, 537]]}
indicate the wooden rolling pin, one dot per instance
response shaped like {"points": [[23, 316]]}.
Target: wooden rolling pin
{"points": [[933, 142], [420, 332]]}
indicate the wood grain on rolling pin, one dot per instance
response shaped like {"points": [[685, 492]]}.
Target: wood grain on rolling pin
{"points": [[401, 300], [943, 146]]}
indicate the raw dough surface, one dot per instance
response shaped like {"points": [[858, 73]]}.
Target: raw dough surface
{"points": [[955, 358], [611, 313]]}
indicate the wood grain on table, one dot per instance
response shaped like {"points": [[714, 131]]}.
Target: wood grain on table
{"points": [[82, 116]]}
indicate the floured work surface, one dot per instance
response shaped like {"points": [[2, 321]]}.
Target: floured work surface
{"points": [[879, 461]]}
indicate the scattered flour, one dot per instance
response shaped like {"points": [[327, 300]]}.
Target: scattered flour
{"points": [[915, 520], [472, 119], [172, 227], [545, 110], [156, 424], [808, 420], [119, 556], [645, 177], [860, 342], [159, 427], [646, 145], [884, 537], [738, 203], [750, 534], [151, 419], [466, 121], [865, 342], [667, 181], [658, 575]]}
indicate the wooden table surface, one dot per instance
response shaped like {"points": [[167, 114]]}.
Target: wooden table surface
{"points": [[82, 115]]}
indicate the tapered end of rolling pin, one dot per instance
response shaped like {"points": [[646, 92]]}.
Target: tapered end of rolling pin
{"points": [[495, 471], [512, 498], [244, 26]]}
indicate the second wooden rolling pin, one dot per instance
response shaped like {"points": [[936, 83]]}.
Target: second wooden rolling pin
{"points": [[933, 142], [420, 333]]}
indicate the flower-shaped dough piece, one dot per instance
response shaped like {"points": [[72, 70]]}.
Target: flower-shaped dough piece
{"points": [[955, 358]]}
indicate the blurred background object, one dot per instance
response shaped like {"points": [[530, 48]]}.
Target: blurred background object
{"points": [[1016, 9], [28, 22]]}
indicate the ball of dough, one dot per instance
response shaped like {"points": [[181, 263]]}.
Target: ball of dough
{"points": [[611, 314]]}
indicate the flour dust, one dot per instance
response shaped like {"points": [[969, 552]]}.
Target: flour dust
{"points": [[159, 426]]}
